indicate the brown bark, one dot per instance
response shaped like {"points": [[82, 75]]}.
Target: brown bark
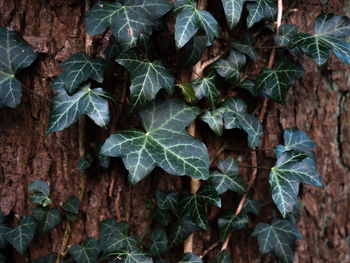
{"points": [[317, 104]]}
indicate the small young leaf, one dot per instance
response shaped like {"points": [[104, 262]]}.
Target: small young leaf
{"points": [[84, 162], [229, 68], [188, 91], [41, 192], [191, 258], [286, 33], [251, 206], [205, 87], [170, 201], [181, 230], [228, 178], [233, 10], [194, 50], [278, 238], [223, 257], [245, 47], [15, 54], [47, 218], [228, 222], [259, 10], [276, 82], [87, 253], [215, 120], [160, 242], [71, 205], [165, 143], [20, 237]]}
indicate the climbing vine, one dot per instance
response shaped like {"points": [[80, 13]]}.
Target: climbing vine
{"points": [[166, 105]]}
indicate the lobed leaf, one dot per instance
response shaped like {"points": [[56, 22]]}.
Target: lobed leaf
{"points": [[47, 218], [135, 255], [228, 222], [40, 192], [191, 258], [223, 257], [87, 253], [229, 68], [194, 50], [214, 119], [160, 242], [260, 9], [233, 10], [205, 87]]}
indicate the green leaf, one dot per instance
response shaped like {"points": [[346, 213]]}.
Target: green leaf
{"points": [[71, 205], [194, 50], [170, 201], [251, 206], [190, 20], [162, 216], [79, 68], [147, 78], [66, 110], [50, 258], [87, 253], [330, 32], [15, 54], [127, 20], [20, 237], [223, 257], [249, 85], [103, 160], [229, 68], [165, 143], [188, 91], [160, 242], [286, 34], [84, 162], [294, 216], [114, 236], [181, 230], [228, 222], [233, 10], [214, 119], [260, 9], [246, 47], [275, 83], [40, 193], [47, 218], [113, 50], [3, 230], [236, 117], [135, 255], [194, 204], [278, 238], [205, 87], [291, 169], [191, 258], [228, 178]]}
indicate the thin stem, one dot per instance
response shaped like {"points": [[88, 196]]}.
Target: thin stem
{"points": [[222, 148], [36, 94], [269, 47], [210, 249], [210, 61]]}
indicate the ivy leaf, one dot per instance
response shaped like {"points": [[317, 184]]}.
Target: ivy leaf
{"points": [[71, 206], [87, 253], [181, 230], [135, 255], [214, 120], [170, 201], [113, 50], [40, 193], [286, 34], [276, 82], [114, 236], [291, 169], [251, 206], [233, 10], [50, 258], [330, 32], [3, 230], [15, 54], [190, 20], [228, 222], [20, 237], [127, 20], [246, 47], [163, 216], [236, 117], [147, 78], [228, 178], [103, 160], [187, 91], [223, 257], [47, 218], [259, 10], [250, 86], [194, 204], [205, 87], [165, 143], [79, 68], [84, 162], [66, 110], [194, 50], [278, 238], [160, 242], [229, 68], [191, 258]]}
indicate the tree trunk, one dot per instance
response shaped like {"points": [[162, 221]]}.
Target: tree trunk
{"points": [[317, 104]]}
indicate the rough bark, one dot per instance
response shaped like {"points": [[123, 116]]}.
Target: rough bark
{"points": [[317, 104]]}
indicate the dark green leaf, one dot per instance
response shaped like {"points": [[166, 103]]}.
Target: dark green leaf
{"points": [[190, 20], [20, 237], [250, 86], [194, 50], [278, 238], [71, 205], [79, 68], [66, 110], [188, 91], [50, 258], [114, 236], [214, 119], [40, 193], [170, 201], [165, 143], [276, 82], [228, 178], [147, 78], [294, 216], [194, 204], [84, 163], [87, 253], [236, 117], [223, 257], [286, 33], [15, 54], [233, 10], [127, 21], [251, 206], [290, 170], [229, 67], [181, 230], [47, 218], [135, 255], [228, 222], [205, 87], [260, 9], [246, 47], [113, 50], [3, 230], [191, 258], [163, 216], [160, 242]]}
